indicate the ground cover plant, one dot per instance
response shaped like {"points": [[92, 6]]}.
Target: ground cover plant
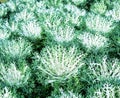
{"points": [[60, 49]]}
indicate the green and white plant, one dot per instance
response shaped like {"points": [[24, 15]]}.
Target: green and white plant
{"points": [[55, 3], [78, 2], [24, 16], [114, 13], [25, 4], [31, 30], [59, 63], [74, 14], [105, 70], [60, 32], [4, 34], [12, 76], [63, 34], [58, 27], [28, 1], [106, 90], [66, 94], [93, 40], [11, 5], [13, 27], [51, 18], [3, 10], [98, 23], [15, 50], [6, 93], [99, 7]]}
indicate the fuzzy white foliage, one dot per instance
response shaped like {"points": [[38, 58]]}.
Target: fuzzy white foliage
{"points": [[14, 77], [26, 4], [31, 30], [115, 12], [28, 1], [77, 2], [24, 16], [73, 9], [6, 93], [40, 8], [60, 63], [66, 94], [58, 26], [4, 34], [11, 5], [106, 91], [3, 10], [54, 2], [13, 26], [55, 17], [105, 70], [40, 4], [74, 14], [52, 18], [92, 40], [99, 7], [70, 94], [63, 34], [99, 23], [15, 49]]}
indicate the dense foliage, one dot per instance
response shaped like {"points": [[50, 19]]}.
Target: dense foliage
{"points": [[60, 49]]}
